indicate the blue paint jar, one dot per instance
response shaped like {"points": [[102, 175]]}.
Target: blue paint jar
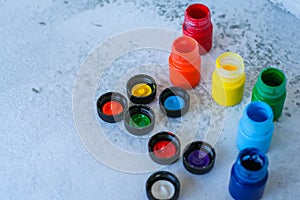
{"points": [[249, 175], [256, 127]]}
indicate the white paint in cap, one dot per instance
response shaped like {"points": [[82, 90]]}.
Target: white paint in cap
{"points": [[163, 189]]}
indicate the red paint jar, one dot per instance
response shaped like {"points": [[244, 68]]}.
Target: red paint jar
{"points": [[197, 24], [184, 63]]}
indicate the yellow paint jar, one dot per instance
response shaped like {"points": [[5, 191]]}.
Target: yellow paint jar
{"points": [[228, 79]]}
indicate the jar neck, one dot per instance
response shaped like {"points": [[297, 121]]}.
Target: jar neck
{"points": [[257, 119], [198, 16], [271, 81], [185, 52], [230, 66], [181, 62], [251, 165]]}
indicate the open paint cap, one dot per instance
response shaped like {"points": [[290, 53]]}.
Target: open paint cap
{"points": [[174, 101], [164, 148], [139, 119], [141, 89], [111, 107], [199, 157], [162, 185]]}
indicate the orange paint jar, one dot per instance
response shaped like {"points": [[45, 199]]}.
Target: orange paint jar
{"points": [[185, 62]]}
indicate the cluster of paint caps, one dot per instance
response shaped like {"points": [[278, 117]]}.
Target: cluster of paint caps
{"points": [[164, 148], [198, 158], [139, 119]]}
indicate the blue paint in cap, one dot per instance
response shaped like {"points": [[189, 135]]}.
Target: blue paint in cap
{"points": [[174, 103]]}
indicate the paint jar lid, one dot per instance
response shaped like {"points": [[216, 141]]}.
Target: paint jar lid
{"points": [[199, 157], [111, 107], [164, 148], [139, 119], [174, 101], [141, 89], [162, 185]]}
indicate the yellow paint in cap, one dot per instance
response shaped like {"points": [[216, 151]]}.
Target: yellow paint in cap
{"points": [[228, 79], [141, 90]]}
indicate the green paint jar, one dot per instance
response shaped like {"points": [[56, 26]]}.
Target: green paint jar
{"points": [[270, 88]]}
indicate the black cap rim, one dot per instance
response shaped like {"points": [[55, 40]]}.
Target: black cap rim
{"points": [[164, 136], [109, 96], [163, 175], [174, 91], [204, 147], [139, 109], [141, 78]]}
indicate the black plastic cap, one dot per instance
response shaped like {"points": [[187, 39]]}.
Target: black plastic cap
{"points": [[144, 111], [140, 79], [166, 176], [178, 92], [199, 164], [107, 97], [166, 154]]}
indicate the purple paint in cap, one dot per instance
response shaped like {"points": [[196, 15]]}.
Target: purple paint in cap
{"points": [[199, 157]]}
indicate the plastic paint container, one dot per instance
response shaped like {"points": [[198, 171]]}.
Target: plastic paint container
{"points": [[271, 89], [199, 157], [185, 62], [111, 107], [164, 148], [139, 119], [141, 89], [228, 79], [197, 24], [256, 127], [174, 101], [249, 175], [162, 185]]}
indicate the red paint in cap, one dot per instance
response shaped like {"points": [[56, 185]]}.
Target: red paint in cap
{"points": [[164, 149], [112, 108]]}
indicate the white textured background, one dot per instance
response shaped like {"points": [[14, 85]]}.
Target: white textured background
{"points": [[43, 43], [292, 6]]}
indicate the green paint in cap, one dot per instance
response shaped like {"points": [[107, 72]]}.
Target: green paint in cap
{"points": [[139, 121]]}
